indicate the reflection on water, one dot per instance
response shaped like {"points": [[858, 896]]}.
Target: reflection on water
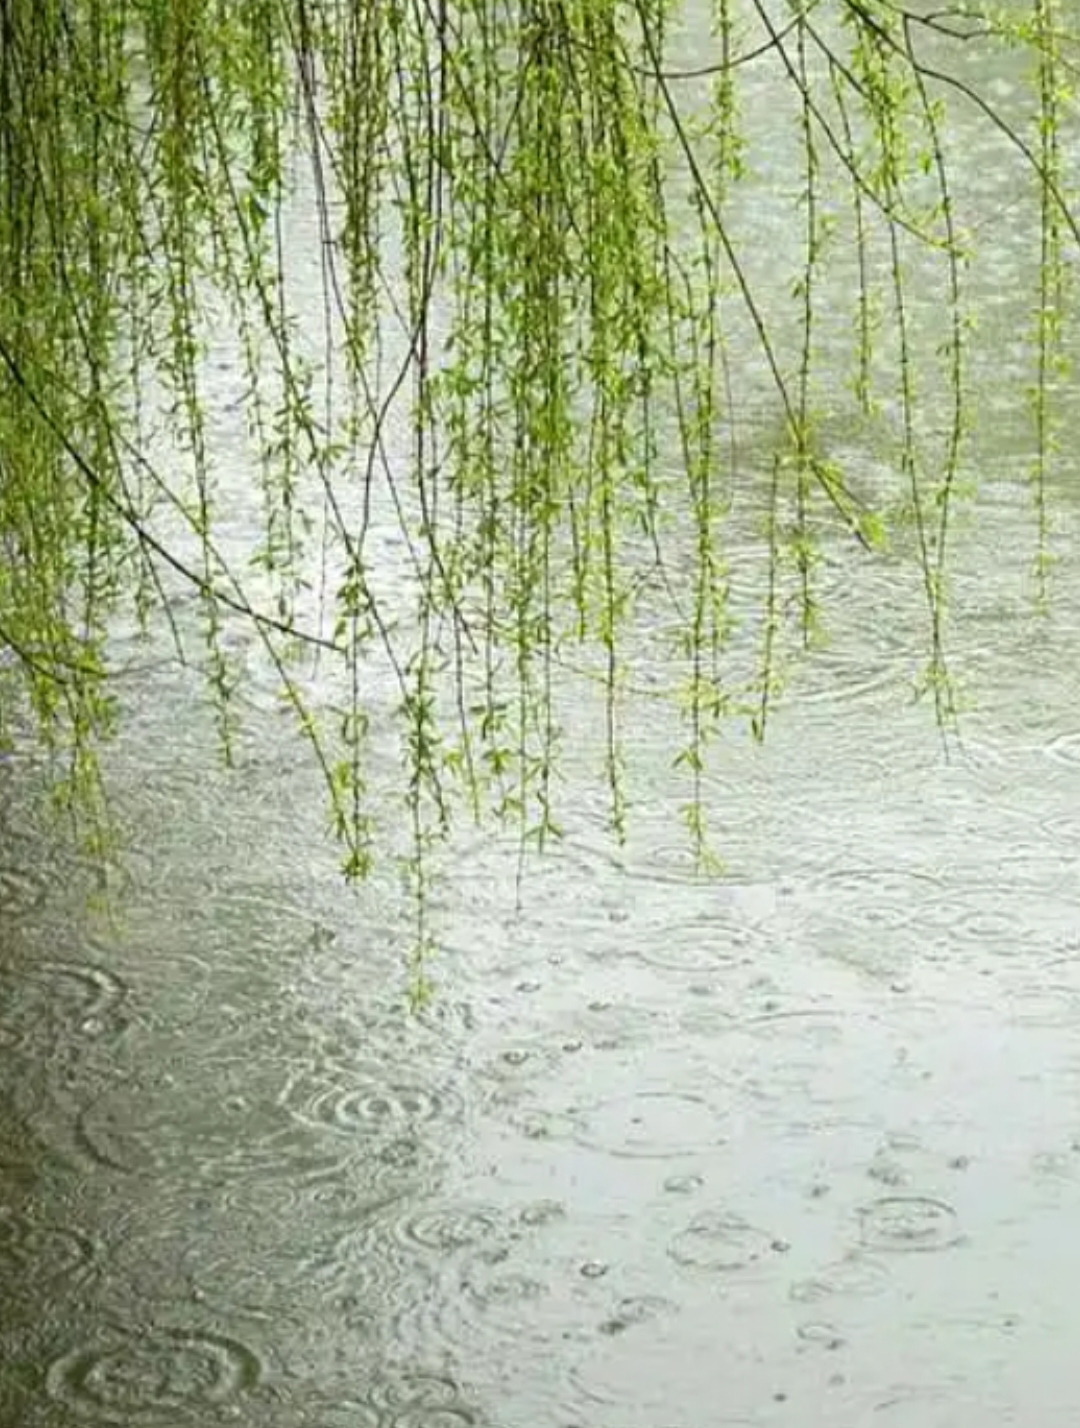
{"points": [[799, 1146]]}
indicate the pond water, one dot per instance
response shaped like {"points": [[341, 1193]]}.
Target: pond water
{"points": [[795, 1146]]}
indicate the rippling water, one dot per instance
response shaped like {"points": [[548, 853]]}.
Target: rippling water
{"points": [[796, 1146], [799, 1146]]}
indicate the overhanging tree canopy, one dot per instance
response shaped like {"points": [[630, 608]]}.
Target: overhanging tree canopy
{"points": [[532, 257]]}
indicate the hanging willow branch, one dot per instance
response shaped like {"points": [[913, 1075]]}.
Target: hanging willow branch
{"points": [[486, 278]]}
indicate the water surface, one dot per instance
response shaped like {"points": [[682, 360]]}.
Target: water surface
{"points": [[798, 1146]]}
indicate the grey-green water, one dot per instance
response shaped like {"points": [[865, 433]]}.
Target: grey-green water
{"points": [[797, 1147]]}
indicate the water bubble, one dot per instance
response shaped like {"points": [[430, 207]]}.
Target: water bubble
{"points": [[683, 1184], [636, 1309], [821, 1334], [537, 1124], [542, 1212], [887, 1169], [57, 1000]]}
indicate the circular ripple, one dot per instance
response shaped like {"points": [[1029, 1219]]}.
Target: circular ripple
{"points": [[523, 1062], [484, 1297], [173, 1127], [342, 1199], [651, 1125], [698, 946], [874, 897], [154, 1374], [1011, 920], [365, 1103], [1044, 1006], [349, 1279], [719, 1242], [449, 1228], [660, 865], [420, 1400], [853, 1278], [47, 1252], [489, 1283], [456, 1415], [53, 998], [908, 1222]]}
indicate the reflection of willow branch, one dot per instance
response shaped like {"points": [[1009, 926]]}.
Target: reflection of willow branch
{"points": [[906, 52], [837, 497], [237, 603]]}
